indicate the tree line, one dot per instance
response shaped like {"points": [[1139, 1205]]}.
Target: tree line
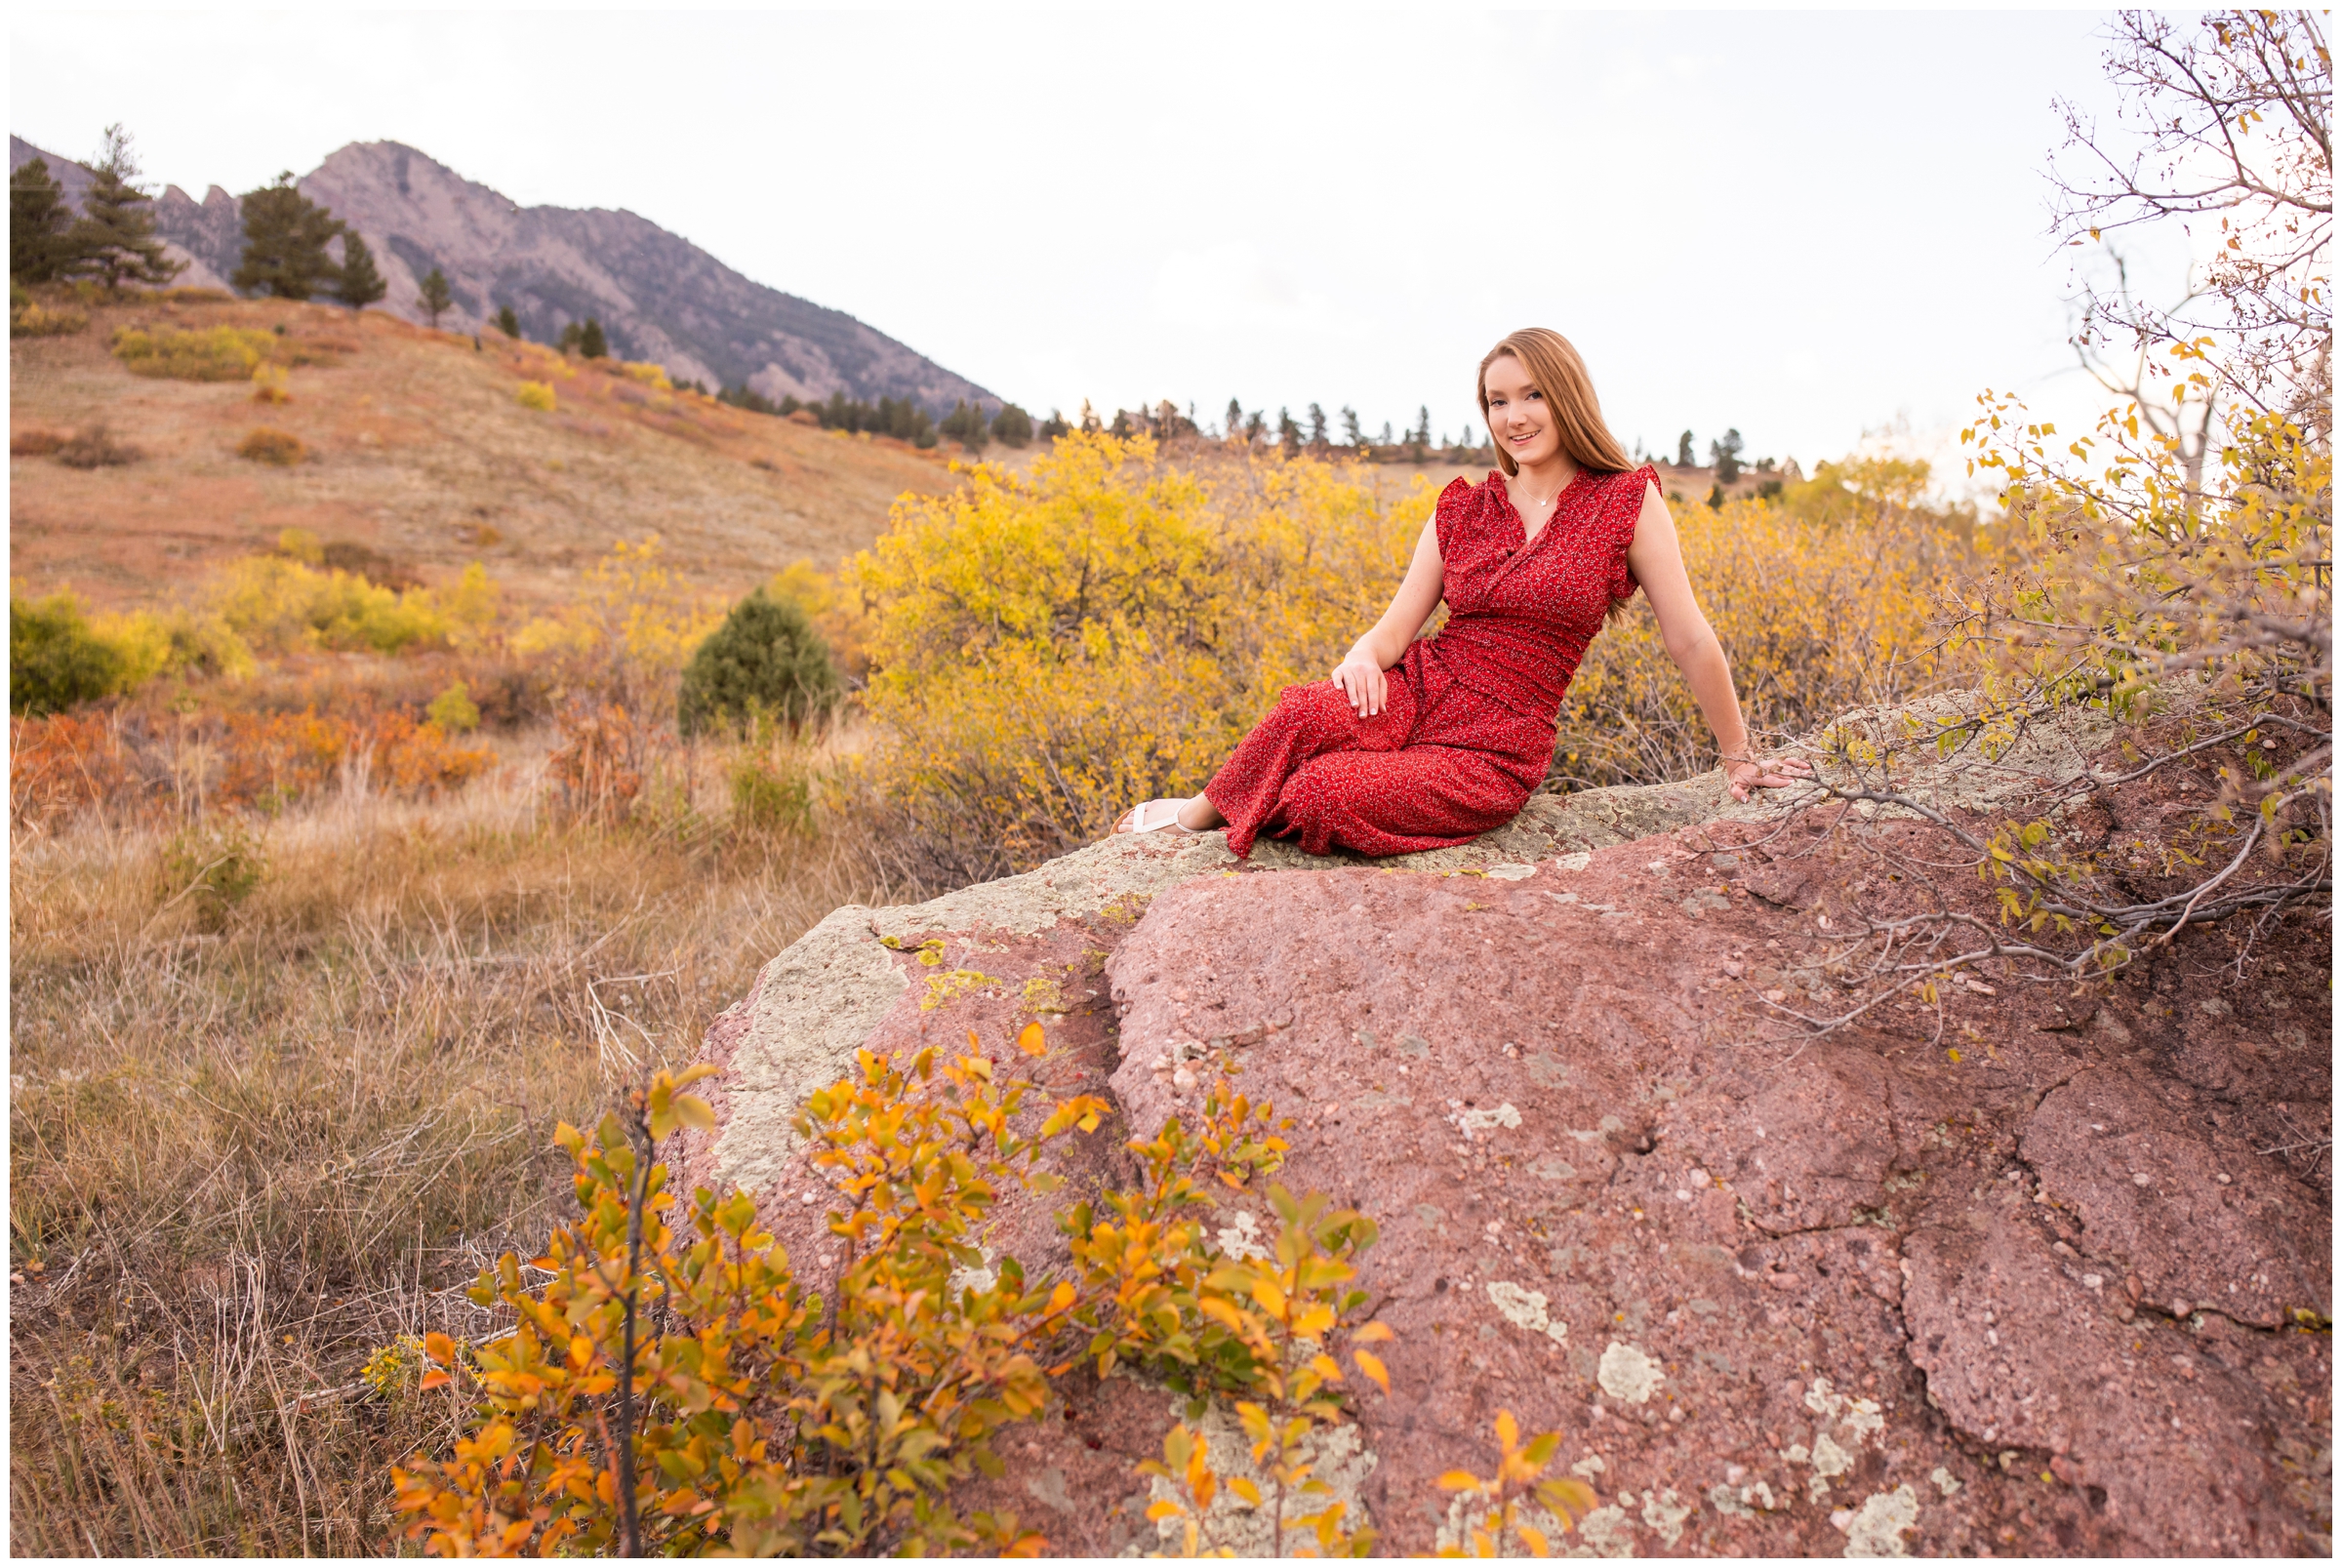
{"points": [[903, 418]]}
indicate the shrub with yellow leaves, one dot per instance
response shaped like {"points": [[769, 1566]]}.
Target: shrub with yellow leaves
{"points": [[1048, 648], [628, 636], [213, 354], [1519, 1502], [678, 1394], [277, 603], [1823, 603]]}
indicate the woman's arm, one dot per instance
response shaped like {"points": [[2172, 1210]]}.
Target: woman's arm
{"points": [[1656, 558], [1360, 672]]}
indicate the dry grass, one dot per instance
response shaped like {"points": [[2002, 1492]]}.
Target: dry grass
{"points": [[424, 454], [243, 1162]]}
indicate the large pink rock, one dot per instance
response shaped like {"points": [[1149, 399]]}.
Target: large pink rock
{"points": [[2015, 1279]]}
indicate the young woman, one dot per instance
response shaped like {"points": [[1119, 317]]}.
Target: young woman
{"points": [[1416, 743]]}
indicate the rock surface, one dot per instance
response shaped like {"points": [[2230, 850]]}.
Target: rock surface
{"points": [[2026, 1275]]}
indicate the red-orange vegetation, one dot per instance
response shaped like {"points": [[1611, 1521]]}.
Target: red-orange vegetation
{"points": [[65, 763], [605, 751]]}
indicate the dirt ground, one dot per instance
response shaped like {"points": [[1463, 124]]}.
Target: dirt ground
{"points": [[418, 448]]}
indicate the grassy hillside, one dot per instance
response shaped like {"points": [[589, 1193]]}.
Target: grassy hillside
{"points": [[420, 449]]}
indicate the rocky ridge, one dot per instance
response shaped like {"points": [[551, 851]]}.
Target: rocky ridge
{"points": [[660, 296], [2034, 1271]]}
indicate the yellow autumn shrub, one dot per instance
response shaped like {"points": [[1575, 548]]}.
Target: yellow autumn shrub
{"points": [[1823, 604], [277, 604], [1047, 649], [631, 632], [214, 354]]}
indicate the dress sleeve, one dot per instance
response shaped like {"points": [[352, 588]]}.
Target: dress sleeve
{"points": [[1626, 512]]}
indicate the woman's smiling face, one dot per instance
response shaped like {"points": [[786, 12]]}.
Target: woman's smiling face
{"points": [[1520, 420]]}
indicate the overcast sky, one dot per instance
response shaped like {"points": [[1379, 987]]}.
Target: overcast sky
{"points": [[1803, 224]]}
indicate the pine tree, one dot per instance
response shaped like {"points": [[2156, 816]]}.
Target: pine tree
{"points": [[1235, 417], [357, 284], [1726, 452], [1317, 426], [1351, 436], [435, 297], [1685, 457], [592, 343], [284, 235], [115, 238], [37, 221], [507, 321], [1011, 426], [1423, 427], [1288, 432], [766, 660], [966, 423]]}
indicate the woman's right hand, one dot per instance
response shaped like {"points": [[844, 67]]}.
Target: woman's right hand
{"points": [[1363, 682]]}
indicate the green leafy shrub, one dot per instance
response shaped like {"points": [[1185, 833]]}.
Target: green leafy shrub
{"points": [[214, 354], [765, 660], [212, 869], [56, 658]]}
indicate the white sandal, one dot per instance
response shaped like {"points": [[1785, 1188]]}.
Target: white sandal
{"points": [[1134, 821]]}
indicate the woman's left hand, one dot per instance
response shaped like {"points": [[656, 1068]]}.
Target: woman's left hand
{"points": [[1749, 774]]}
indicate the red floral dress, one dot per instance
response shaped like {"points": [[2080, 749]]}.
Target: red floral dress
{"points": [[1468, 731]]}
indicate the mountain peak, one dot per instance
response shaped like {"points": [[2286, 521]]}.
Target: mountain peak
{"points": [[658, 296]]}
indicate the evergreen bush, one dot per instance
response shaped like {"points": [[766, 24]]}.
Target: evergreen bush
{"points": [[765, 660]]}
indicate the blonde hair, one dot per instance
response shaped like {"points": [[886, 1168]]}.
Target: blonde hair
{"points": [[1557, 371]]}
